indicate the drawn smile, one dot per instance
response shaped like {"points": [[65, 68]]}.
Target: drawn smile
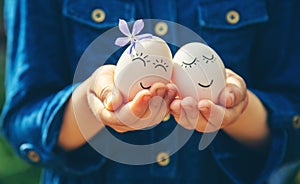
{"points": [[206, 85], [144, 87]]}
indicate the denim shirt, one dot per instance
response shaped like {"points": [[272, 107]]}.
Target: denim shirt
{"points": [[46, 38]]}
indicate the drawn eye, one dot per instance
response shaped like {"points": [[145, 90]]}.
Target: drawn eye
{"points": [[140, 57], [161, 64], [194, 62], [209, 59]]}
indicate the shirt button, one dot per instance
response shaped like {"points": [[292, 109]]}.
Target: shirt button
{"points": [[161, 28], [167, 117], [163, 159], [98, 15], [33, 156], [296, 122], [232, 17]]}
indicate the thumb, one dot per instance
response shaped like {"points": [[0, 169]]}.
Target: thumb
{"points": [[103, 87], [113, 100]]}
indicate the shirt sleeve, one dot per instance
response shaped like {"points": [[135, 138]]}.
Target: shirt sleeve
{"points": [[38, 85]]}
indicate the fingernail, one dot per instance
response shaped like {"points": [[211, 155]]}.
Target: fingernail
{"points": [[114, 93], [156, 101], [146, 98], [108, 102], [204, 109], [231, 97], [204, 106], [160, 91]]}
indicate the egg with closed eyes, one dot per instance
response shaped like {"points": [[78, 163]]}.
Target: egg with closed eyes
{"points": [[198, 72], [149, 61]]}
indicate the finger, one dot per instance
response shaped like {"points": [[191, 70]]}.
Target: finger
{"points": [[246, 101], [232, 114], [135, 126], [214, 114], [158, 89], [103, 81], [138, 110], [192, 114], [122, 128], [140, 103], [194, 119], [235, 90], [179, 109], [175, 108], [123, 119], [126, 116], [231, 96], [148, 112], [146, 119], [113, 100], [219, 116], [164, 108], [235, 79], [103, 87], [189, 105], [170, 94], [101, 113], [158, 112]]}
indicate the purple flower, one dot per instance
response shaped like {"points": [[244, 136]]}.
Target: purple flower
{"points": [[131, 37]]}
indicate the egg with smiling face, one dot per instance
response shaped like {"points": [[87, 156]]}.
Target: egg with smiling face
{"points": [[198, 72], [149, 62]]}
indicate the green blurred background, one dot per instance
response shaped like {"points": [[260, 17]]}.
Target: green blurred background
{"points": [[13, 170]]}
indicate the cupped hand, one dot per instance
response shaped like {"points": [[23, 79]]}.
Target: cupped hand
{"points": [[207, 116], [146, 109]]}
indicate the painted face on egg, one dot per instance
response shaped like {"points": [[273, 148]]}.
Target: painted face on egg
{"points": [[198, 72], [149, 62], [144, 62]]}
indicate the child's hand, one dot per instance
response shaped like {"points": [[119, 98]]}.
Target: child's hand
{"points": [[206, 116], [147, 108]]}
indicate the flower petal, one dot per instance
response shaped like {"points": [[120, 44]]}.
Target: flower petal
{"points": [[124, 27], [122, 41], [137, 27]]}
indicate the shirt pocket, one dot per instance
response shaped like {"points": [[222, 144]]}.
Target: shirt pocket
{"points": [[84, 21], [99, 14], [230, 28]]}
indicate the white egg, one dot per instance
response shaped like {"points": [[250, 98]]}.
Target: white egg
{"points": [[198, 71], [149, 62]]}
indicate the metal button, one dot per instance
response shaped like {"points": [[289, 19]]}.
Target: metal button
{"points": [[232, 17], [33, 156], [98, 15], [161, 28], [167, 117], [163, 159], [296, 122]]}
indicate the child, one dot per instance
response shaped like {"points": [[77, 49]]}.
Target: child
{"points": [[49, 121]]}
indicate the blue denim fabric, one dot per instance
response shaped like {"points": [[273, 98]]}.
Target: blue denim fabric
{"points": [[47, 38]]}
